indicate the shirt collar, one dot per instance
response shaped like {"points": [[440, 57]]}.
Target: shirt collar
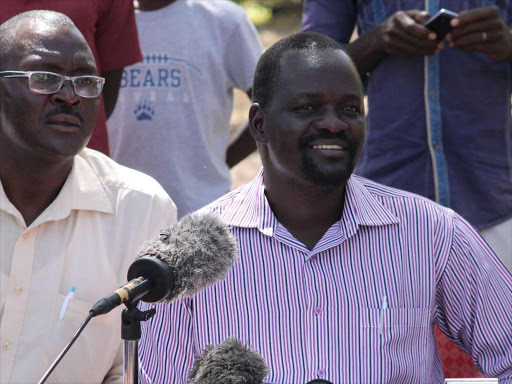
{"points": [[250, 208], [82, 190], [363, 208]]}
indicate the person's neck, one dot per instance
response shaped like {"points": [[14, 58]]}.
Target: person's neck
{"points": [[307, 211], [30, 184], [151, 5]]}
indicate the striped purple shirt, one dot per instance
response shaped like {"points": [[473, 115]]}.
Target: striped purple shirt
{"points": [[319, 314]]}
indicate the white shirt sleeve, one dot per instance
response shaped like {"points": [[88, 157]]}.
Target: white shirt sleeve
{"points": [[243, 50]]}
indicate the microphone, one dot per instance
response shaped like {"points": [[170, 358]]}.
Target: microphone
{"points": [[229, 363], [196, 252]]}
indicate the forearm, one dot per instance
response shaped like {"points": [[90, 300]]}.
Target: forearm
{"points": [[367, 51], [240, 148]]}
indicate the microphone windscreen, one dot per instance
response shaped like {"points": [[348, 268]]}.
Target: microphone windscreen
{"points": [[201, 250], [229, 363]]}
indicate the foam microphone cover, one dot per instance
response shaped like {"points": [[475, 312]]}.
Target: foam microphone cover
{"points": [[228, 363], [200, 249]]}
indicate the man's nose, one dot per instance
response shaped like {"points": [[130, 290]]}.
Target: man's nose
{"points": [[331, 121], [66, 95]]}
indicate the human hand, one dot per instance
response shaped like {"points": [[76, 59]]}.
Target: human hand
{"points": [[482, 30], [403, 34]]}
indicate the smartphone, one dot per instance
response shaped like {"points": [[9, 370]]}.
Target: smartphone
{"points": [[440, 23]]}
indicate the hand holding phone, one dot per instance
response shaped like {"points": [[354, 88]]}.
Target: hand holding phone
{"points": [[482, 30], [440, 23], [403, 34]]}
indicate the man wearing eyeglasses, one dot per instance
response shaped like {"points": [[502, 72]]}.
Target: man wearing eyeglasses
{"points": [[71, 219], [110, 31]]}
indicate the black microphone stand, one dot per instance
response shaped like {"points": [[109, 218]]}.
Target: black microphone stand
{"points": [[131, 333]]}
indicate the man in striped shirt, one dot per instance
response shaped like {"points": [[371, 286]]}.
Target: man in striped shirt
{"points": [[339, 277]]}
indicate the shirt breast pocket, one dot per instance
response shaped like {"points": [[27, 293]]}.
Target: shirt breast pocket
{"points": [[95, 347], [399, 338]]}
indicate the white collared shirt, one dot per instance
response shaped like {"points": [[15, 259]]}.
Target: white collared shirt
{"points": [[86, 238]]}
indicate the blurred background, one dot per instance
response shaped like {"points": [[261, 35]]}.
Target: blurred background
{"points": [[274, 20]]}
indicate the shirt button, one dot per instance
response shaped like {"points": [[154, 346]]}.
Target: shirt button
{"points": [[18, 290], [318, 311], [431, 95], [26, 235], [436, 146], [313, 258], [321, 372], [6, 345]]}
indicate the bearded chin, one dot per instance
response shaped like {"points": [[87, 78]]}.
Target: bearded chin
{"points": [[322, 177]]}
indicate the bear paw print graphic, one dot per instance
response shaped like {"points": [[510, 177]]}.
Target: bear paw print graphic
{"points": [[144, 111]]}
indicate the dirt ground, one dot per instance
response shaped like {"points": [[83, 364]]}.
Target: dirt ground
{"points": [[280, 26]]}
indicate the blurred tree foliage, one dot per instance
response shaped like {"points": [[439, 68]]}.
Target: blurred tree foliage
{"points": [[261, 11]]}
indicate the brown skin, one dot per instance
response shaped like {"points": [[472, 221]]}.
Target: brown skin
{"points": [[241, 147], [36, 152], [469, 29], [243, 144], [324, 108], [401, 35]]}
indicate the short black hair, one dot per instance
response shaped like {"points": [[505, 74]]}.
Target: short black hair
{"points": [[268, 69], [10, 28]]}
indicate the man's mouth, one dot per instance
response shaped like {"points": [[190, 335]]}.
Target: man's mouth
{"points": [[64, 122]]}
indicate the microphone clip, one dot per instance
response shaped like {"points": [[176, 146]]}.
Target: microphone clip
{"points": [[130, 321]]}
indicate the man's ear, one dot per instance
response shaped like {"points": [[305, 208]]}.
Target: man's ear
{"points": [[256, 119]]}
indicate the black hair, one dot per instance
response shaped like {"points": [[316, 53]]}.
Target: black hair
{"points": [[10, 28], [268, 69]]}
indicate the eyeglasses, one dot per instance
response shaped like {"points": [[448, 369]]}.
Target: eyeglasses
{"points": [[49, 82]]}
